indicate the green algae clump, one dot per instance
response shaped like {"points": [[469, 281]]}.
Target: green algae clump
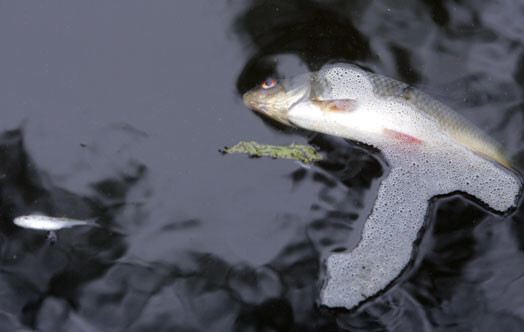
{"points": [[302, 153]]}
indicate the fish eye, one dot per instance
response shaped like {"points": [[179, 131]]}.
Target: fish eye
{"points": [[269, 84]]}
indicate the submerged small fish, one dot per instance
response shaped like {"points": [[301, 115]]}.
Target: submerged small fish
{"points": [[45, 223], [346, 101]]}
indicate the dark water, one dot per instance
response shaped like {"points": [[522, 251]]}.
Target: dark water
{"points": [[118, 111]]}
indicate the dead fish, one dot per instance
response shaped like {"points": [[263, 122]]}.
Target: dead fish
{"points": [[46, 223], [344, 100], [430, 151]]}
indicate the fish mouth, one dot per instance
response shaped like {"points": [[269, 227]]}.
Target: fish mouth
{"points": [[257, 106], [252, 99], [249, 102], [266, 109]]}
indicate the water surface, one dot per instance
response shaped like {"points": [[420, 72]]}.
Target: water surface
{"points": [[119, 111]]}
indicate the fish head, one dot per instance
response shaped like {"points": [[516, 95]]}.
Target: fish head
{"points": [[334, 100], [275, 98], [22, 221]]}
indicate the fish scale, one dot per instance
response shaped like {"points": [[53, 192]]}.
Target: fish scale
{"points": [[451, 122]]}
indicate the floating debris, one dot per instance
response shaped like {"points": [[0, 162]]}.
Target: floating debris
{"points": [[302, 153]]}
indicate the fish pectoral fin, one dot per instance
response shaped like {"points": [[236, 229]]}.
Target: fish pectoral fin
{"points": [[403, 138], [52, 237], [336, 105]]}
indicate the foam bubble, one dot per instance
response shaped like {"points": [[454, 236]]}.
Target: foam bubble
{"points": [[418, 173]]}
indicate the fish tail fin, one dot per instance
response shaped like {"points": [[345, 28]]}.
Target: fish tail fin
{"points": [[93, 222]]}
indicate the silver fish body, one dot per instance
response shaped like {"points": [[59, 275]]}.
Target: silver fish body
{"points": [[46, 223], [344, 100], [451, 123]]}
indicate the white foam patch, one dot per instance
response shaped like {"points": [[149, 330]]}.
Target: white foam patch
{"points": [[398, 214], [418, 173]]}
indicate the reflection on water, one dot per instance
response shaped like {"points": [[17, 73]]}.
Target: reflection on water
{"points": [[126, 108], [314, 31]]}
